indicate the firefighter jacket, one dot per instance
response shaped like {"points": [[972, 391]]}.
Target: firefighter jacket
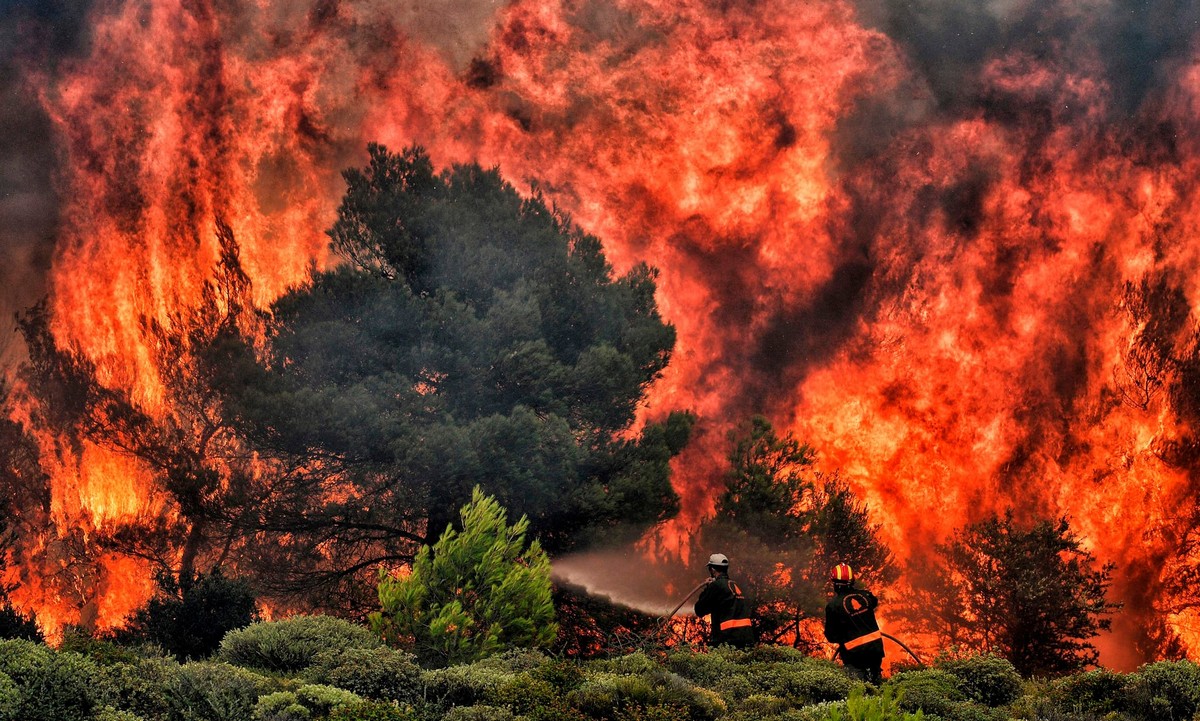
{"points": [[730, 616], [850, 623]]}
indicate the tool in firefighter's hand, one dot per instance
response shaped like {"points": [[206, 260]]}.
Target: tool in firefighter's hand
{"points": [[898, 642]]}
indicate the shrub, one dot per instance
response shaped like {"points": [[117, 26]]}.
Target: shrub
{"points": [[478, 713], [108, 713], [884, 707], [510, 602], [292, 644], [815, 712], [10, 699], [280, 706], [372, 711], [102, 652], [807, 682], [988, 679], [705, 669], [321, 699], [52, 686], [634, 663], [139, 687], [214, 692], [463, 685], [189, 618], [605, 695], [734, 687], [1163, 691], [561, 674], [382, 674], [1093, 692], [932, 690], [522, 693]]}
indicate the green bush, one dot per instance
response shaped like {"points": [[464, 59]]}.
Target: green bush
{"points": [[563, 675], [280, 706], [10, 699], [634, 664], [463, 685], [372, 711], [809, 681], [214, 692], [292, 644], [760, 706], [705, 669], [52, 686], [322, 699], [522, 693], [108, 713], [988, 679], [1163, 691], [139, 687], [605, 695], [1093, 692], [884, 707], [733, 688], [478, 713], [382, 674], [815, 712], [931, 690]]}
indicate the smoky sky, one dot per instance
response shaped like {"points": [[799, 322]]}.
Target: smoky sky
{"points": [[37, 34]]}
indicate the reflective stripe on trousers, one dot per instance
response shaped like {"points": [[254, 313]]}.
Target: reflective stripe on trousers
{"points": [[856, 642], [734, 623]]}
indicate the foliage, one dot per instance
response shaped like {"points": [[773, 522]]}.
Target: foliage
{"points": [[189, 618], [808, 682], [214, 692], [1163, 691], [884, 707], [1033, 596], [140, 686], [474, 338], [382, 674], [986, 678], [933, 691], [591, 626], [778, 512], [476, 592], [293, 644], [15, 624], [51, 686], [372, 711]]}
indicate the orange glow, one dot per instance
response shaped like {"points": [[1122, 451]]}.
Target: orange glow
{"points": [[936, 311]]}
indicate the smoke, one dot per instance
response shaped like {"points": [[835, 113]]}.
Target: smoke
{"points": [[29, 32], [627, 578]]}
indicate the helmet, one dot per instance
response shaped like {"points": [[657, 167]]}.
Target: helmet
{"points": [[841, 573], [718, 560]]}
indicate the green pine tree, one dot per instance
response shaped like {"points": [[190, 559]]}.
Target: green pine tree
{"points": [[476, 592]]}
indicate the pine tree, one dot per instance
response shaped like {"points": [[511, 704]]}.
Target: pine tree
{"points": [[476, 592]]}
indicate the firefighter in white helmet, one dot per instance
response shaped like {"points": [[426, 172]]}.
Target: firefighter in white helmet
{"points": [[723, 601]]}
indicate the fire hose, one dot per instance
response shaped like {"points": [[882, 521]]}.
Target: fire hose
{"points": [[898, 642]]}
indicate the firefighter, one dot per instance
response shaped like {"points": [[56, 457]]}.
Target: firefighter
{"points": [[850, 623], [722, 600]]}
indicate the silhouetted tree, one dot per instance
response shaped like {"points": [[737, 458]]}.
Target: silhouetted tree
{"points": [[474, 338], [785, 525], [1032, 595], [189, 619]]}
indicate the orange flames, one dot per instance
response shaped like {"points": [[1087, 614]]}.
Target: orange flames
{"points": [[928, 295]]}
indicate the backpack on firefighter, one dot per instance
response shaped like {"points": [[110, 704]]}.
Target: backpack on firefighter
{"points": [[850, 622], [723, 601]]}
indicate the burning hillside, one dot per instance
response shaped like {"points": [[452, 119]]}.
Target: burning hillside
{"points": [[952, 247]]}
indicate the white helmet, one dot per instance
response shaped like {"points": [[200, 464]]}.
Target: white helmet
{"points": [[718, 560]]}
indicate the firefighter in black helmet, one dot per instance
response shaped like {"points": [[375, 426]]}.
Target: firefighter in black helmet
{"points": [[850, 623], [722, 600]]}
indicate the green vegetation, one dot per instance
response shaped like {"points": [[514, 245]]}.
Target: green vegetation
{"points": [[476, 592], [771, 683]]}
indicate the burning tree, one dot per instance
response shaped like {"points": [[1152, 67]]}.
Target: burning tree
{"points": [[786, 524], [1032, 594]]}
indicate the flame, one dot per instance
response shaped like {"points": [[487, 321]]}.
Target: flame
{"points": [[927, 295]]}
